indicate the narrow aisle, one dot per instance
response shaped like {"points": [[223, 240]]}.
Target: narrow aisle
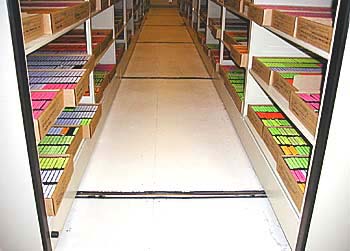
{"points": [[169, 134]]}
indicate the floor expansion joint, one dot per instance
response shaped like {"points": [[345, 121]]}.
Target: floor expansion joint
{"points": [[248, 194], [189, 78]]}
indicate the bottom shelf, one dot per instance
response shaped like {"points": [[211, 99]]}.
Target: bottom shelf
{"points": [[56, 223], [281, 203]]}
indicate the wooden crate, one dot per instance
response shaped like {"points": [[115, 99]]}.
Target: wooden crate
{"points": [[259, 15], [52, 204], [317, 32], [301, 83], [236, 99], [72, 97], [255, 120], [271, 144], [88, 66], [264, 72], [48, 116], [303, 112], [283, 22], [241, 59], [290, 183], [229, 39], [283, 87], [74, 146], [88, 130], [57, 19], [33, 27], [236, 5], [102, 4], [246, 4]]}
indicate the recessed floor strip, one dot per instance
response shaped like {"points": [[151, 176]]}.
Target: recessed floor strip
{"points": [[244, 194], [143, 77], [164, 25], [162, 42]]}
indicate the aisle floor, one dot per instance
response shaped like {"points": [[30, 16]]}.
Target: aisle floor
{"points": [[169, 135]]}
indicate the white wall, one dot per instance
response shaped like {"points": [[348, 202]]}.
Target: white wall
{"points": [[330, 224], [19, 228]]}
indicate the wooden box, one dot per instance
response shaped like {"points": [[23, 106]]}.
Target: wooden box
{"points": [[102, 4], [91, 2], [92, 5], [234, 95], [90, 64], [72, 97], [246, 4], [89, 130], [231, 90], [52, 204], [57, 19], [48, 116], [241, 59], [255, 120], [303, 112], [290, 183], [300, 83], [236, 5], [271, 144], [283, 22], [74, 146], [262, 71], [215, 31], [229, 39], [260, 15], [317, 32], [33, 27]]}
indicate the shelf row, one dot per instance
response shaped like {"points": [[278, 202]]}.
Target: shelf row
{"points": [[310, 27], [59, 147], [58, 80], [277, 126], [44, 22], [283, 79], [64, 65]]}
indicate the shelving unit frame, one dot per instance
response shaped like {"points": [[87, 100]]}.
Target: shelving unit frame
{"points": [[266, 41], [47, 231]]}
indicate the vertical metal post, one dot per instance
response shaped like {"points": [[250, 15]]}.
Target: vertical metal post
{"points": [[132, 18], [125, 25], [223, 24], [88, 35], [198, 15]]}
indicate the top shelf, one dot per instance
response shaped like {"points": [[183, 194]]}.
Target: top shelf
{"points": [[45, 39], [281, 34]]}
